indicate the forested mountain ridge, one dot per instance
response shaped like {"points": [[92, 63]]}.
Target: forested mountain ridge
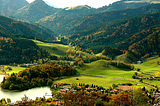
{"points": [[11, 27], [122, 34], [86, 22], [9, 7], [57, 21], [35, 11], [127, 4], [56, 18]]}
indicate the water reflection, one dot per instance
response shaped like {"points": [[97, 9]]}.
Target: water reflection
{"points": [[31, 93]]}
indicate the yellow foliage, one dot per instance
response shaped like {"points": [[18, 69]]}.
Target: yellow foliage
{"points": [[5, 67], [157, 74]]}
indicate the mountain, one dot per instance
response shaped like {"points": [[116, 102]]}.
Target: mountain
{"points": [[83, 23], [65, 16], [81, 7], [57, 21], [11, 6], [35, 11], [138, 34], [11, 28], [48, 3], [127, 4]]}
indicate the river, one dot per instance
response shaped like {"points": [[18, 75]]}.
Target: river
{"points": [[31, 93]]}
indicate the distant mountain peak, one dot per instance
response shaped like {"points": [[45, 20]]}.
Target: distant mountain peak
{"points": [[79, 7], [38, 1], [48, 3]]}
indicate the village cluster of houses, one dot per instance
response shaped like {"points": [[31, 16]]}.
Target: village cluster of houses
{"points": [[66, 88]]}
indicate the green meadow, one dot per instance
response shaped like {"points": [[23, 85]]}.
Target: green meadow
{"points": [[15, 69], [104, 82], [54, 49], [149, 67], [102, 68], [57, 49]]}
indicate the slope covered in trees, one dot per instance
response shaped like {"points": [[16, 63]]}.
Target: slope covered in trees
{"points": [[15, 50], [60, 19], [11, 6], [86, 22], [11, 27], [35, 11], [56, 18], [121, 35]]}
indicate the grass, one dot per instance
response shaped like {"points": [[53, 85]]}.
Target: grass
{"points": [[149, 67], [56, 49], [101, 68], [15, 69], [104, 82], [123, 58]]}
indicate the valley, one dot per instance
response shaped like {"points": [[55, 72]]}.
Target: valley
{"points": [[80, 56]]}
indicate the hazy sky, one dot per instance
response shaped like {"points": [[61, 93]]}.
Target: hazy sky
{"points": [[71, 3]]}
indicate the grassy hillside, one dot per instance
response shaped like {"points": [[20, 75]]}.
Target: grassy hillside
{"points": [[149, 67], [57, 49], [54, 49], [123, 58], [102, 68]]}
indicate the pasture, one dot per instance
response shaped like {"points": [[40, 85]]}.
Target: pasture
{"points": [[57, 49]]}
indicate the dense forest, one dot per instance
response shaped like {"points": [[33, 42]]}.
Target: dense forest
{"points": [[10, 27], [10, 6], [87, 22], [39, 8], [41, 75], [120, 35], [14, 50]]}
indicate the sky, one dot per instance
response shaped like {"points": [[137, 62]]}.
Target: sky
{"points": [[72, 3]]}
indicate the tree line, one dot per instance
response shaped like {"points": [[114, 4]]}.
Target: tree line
{"points": [[40, 75], [14, 50]]}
